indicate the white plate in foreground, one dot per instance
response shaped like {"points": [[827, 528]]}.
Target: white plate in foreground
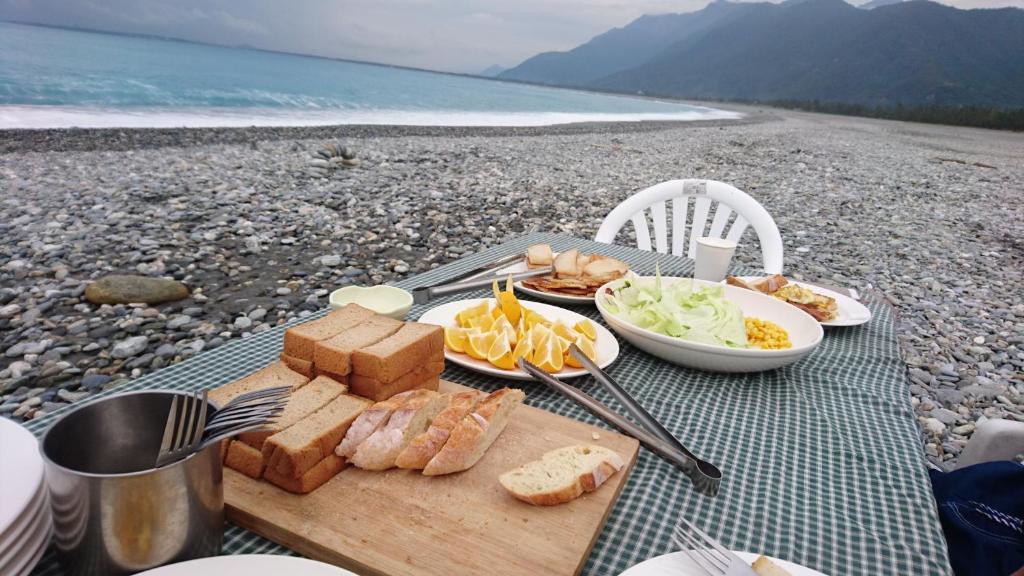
{"points": [[555, 297], [805, 333], [851, 312], [679, 564], [21, 467], [444, 315], [250, 565]]}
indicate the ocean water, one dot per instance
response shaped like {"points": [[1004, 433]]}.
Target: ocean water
{"points": [[61, 78]]}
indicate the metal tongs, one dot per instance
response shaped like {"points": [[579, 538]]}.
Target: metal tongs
{"points": [[705, 476], [425, 294]]}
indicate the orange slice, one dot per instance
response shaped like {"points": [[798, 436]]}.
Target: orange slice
{"points": [[463, 318], [548, 357], [563, 330], [502, 325], [586, 327], [455, 339], [523, 349], [484, 323], [500, 353], [538, 334], [478, 345]]}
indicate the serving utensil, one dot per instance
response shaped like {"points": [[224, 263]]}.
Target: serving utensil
{"points": [[708, 553], [425, 294], [703, 483], [188, 430]]}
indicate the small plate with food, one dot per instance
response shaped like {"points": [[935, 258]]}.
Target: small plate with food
{"points": [[680, 564], [489, 335], [826, 306], [575, 277], [707, 325]]}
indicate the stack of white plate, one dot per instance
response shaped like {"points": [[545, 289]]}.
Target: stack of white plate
{"points": [[25, 524]]}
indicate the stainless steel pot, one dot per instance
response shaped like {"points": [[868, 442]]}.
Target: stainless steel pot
{"points": [[112, 512]]}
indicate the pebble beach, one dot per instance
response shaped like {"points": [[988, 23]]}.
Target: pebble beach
{"points": [[259, 229]]}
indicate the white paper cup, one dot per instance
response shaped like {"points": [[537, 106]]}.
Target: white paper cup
{"points": [[713, 258]]}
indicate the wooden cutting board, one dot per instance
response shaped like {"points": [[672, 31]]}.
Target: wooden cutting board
{"points": [[400, 522]]}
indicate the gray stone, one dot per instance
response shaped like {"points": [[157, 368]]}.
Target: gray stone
{"points": [[178, 322], [129, 347], [10, 310], [330, 260], [947, 417], [124, 289], [933, 426], [166, 350], [243, 322]]}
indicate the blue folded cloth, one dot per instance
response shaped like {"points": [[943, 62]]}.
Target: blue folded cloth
{"points": [[981, 508]]}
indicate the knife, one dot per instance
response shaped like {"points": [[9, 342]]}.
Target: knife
{"points": [[425, 294]]}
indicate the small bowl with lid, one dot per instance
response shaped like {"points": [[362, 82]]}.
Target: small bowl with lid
{"points": [[383, 299]]}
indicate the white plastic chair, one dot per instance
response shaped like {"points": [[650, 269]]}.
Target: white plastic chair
{"points": [[705, 193]]}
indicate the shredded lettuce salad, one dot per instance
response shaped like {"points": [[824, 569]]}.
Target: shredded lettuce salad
{"points": [[681, 310]]}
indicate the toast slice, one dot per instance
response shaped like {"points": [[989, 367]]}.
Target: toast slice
{"points": [[562, 475], [372, 419], [299, 340], [425, 446], [424, 376], [400, 353], [378, 452], [304, 367], [244, 458], [314, 478], [295, 450], [276, 374], [301, 403], [334, 354], [475, 433]]}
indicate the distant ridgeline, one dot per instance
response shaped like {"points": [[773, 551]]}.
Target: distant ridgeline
{"points": [[913, 60]]}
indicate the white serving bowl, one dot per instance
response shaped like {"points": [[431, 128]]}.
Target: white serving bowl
{"points": [[804, 332], [383, 299]]}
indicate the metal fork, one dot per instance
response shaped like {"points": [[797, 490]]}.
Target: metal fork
{"points": [[713, 558], [186, 422]]}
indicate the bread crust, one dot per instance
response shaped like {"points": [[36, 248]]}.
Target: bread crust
{"points": [[475, 433], [370, 421], [422, 376], [316, 477], [411, 347], [297, 449], [245, 459], [299, 340], [304, 367], [588, 479], [334, 354], [425, 446], [378, 452]]}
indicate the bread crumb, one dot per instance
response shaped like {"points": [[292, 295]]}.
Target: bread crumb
{"points": [[595, 435]]}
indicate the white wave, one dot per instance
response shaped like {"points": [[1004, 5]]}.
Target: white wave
{"points": [[20, 116]]}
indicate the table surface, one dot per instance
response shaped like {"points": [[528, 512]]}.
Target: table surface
{"points": [[822, 460]]}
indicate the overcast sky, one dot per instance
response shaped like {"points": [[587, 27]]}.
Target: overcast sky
{"points": [[451, 35]]}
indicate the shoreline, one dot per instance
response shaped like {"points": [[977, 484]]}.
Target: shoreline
{"points": [[15, 140]]}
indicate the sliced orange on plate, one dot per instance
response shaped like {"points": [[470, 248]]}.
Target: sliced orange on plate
{"points": [[478, 345], [500, 353], [586, 327], [455, 338]]}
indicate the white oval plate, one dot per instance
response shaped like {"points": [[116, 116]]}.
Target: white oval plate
{"points": [[851, 312], [250, 565], [444, 315], [546, 296], [804, 332], [680, 564], [21, 467]]}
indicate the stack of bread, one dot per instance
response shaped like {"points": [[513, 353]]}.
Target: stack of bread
{"points": [[364, 391]]}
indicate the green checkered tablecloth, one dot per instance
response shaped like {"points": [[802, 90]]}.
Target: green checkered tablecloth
{"points": [[822, 460]]}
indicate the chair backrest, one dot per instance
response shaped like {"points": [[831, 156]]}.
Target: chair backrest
{"points": [[705, 193]]}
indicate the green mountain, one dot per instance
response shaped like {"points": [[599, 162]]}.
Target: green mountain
{"points": [[909, 53]]}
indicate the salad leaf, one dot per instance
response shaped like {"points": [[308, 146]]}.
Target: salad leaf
{"points": [[681, 310]]}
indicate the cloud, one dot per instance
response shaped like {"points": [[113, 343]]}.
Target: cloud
{"points": [[450, 35]]}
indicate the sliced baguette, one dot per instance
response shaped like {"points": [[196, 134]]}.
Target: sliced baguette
{"points": [[295, 450], [378, 452], [370, 420], [475, 433], [315, 477], [425, 446], [562, 475]]}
